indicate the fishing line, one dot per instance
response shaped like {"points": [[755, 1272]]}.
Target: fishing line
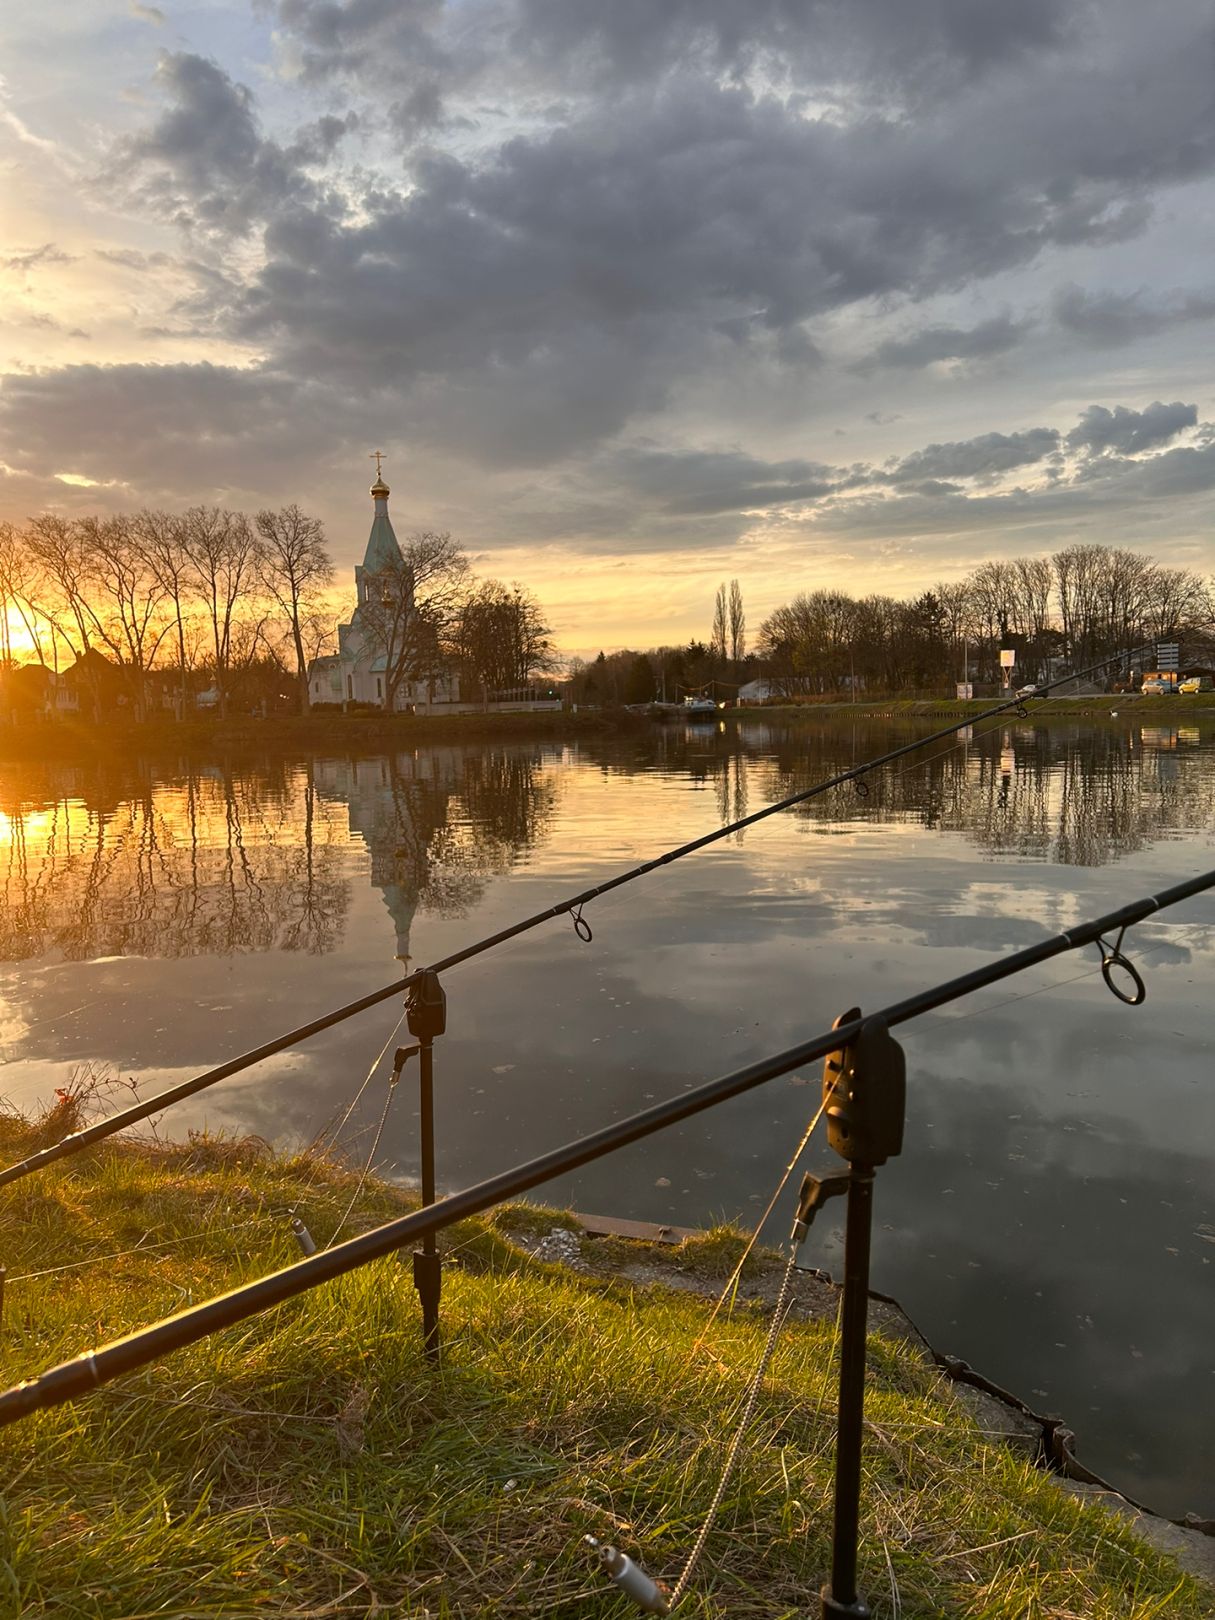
{"points": [[332, 1135], [140, 1248], [779, 1314], [357, 1193], [732, 1281], [939, 1020], [326, 1140]]}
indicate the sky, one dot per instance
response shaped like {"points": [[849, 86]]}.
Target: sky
{"points": [[634, 297]]}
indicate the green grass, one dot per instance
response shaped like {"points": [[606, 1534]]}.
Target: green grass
{"points": [[309, 1462]]}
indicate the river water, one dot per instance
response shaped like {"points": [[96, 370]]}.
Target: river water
{"points": [[1051, 1218]]}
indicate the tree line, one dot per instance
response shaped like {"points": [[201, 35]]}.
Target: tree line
{"points": [[1061, 613], [214, 594]]}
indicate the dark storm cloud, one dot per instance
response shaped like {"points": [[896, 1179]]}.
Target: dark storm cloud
{"points": [[933, 343], [1128, 432], [988, 456], [205, 162], [702, 482], [1109, 320], [1097, 487], [692, 212], [582, 45], [193, 430], [536, 293], [643, 205]]}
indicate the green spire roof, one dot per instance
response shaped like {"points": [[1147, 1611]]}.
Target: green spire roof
{"points": [[382, 548]]}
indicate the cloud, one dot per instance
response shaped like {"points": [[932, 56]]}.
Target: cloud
{"points": [[204, 161], [1109, 320], [934, 343], [578, 249], [582, 47], [661, 194], [705, 481], [48, 253], [987, 456], [1128, 432], [152, 14], [192, 431]]}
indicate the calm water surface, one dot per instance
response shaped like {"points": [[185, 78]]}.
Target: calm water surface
{"points": [[1051, 1217]]}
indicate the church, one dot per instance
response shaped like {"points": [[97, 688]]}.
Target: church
{"points": [[357, 672]]}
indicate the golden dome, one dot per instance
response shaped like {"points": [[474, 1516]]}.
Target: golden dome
{"points": [[380, 490]]}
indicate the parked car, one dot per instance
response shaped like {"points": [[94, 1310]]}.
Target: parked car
{"points": [[1197, 683], [1157, 686]]}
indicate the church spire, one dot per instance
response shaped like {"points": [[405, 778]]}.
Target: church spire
{"points": [[379, 490]]}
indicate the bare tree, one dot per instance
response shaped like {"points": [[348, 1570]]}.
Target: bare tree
{"points": [[19, 590], [122, 597], [295, 568], [161, 537], [738, 624], [224, 554], [56, 545]]}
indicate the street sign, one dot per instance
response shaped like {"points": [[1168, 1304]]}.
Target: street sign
{"points": [[1168, 655], [1007, 658]]}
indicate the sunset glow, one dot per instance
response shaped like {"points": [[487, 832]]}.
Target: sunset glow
{"points": [[856, 305]]}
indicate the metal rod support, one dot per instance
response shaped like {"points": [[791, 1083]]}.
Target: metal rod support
{"points": [[427, 1267], [840, 1597], [187, 1088], [72, 1378]]}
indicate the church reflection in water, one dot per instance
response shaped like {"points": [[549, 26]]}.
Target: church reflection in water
{"points": [[220, 859]]}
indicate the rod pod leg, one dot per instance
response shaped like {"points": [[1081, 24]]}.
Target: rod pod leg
{"points": [[839, 1596], [427, 1267], [426, 1012]]}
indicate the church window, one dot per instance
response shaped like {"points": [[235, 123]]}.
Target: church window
{"points": [[379, 687], [350, 686]]}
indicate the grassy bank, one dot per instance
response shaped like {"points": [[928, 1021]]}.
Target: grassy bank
{"points": [[311, 1463], [1152, 710], [72, 740], [341, 733]]}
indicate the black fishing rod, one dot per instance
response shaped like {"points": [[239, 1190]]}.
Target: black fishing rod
{"points": [[97, 1132], [77, 1377]]}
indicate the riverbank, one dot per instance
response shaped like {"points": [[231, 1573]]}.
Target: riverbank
{"points": [[1104, 706], [210, 737], [310, 1461], [327, 731]]}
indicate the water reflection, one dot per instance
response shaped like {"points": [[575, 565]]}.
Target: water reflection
{"points": [[1074, 794], [215, 860]]}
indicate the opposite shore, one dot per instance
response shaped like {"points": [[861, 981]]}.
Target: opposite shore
{"points": [[363, 732]]}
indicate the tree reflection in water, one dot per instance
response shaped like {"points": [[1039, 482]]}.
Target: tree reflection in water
{"points": [[1076, 795], [264, 856], [221, 859]]}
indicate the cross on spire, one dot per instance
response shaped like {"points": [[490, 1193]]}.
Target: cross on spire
{"points": [[377, 456]]}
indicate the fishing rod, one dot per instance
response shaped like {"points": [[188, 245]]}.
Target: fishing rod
{"points": [[572, 907], [84, 1373]]}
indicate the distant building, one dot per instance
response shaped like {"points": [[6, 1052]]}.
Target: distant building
{"points": [[357, 672]]}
